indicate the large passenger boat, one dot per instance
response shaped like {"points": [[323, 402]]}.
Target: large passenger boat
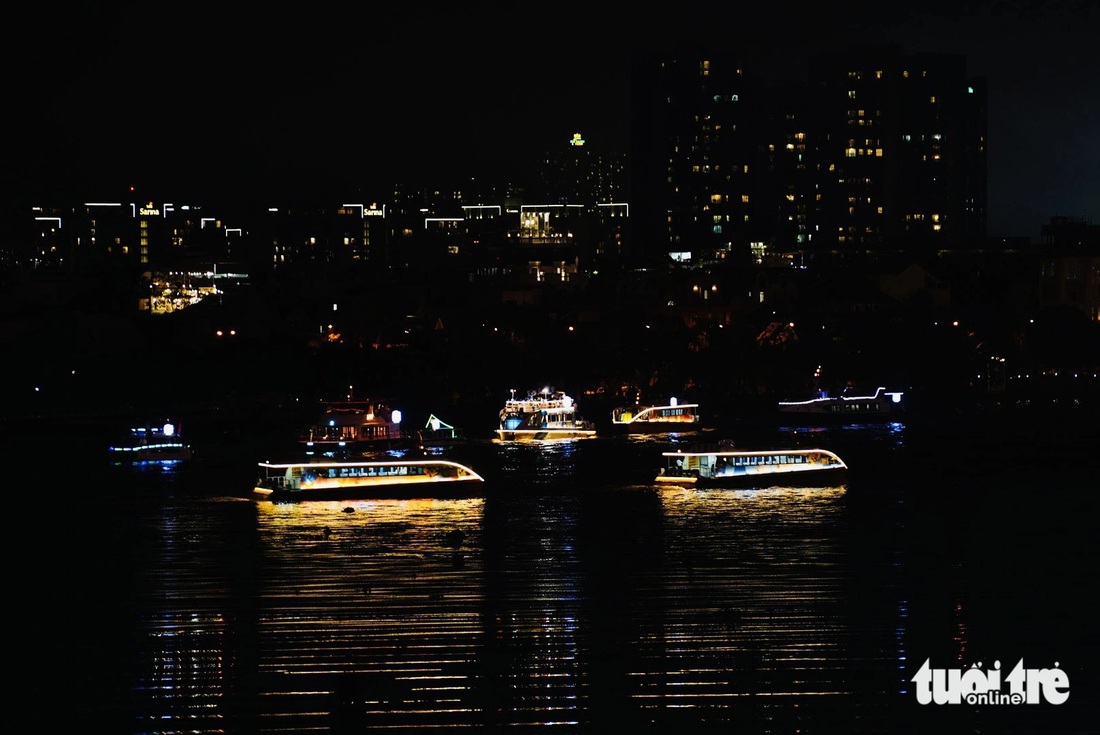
{"points": [[150, 443], [549, 415], [882, 404], [398, 478], [666, 418], [723, 465], [352, 427]]}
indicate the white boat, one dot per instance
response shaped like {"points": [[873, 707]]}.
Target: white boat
{"points": [[146, 444], [667, 418], [548, 415], [761, 467], [881, 404], [397, 478]]}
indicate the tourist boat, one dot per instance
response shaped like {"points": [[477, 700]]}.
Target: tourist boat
{"points": [[671, 417], [882, 404], [437, 433], [724, 465], [145, 444], [548, 415], [395, 478], [353, 427]]}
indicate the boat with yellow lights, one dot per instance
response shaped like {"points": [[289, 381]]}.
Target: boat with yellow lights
{"points": [[395, 478], [671, 417]]}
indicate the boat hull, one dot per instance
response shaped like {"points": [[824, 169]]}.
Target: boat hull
{"points": [[543, 435], [391, 491], [655, 427], [829, 477], [360, 480]]}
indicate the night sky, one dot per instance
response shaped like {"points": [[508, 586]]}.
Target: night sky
{"points": [[199, 99]]}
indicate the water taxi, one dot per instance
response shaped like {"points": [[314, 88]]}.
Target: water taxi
{"points": [[146, 444], [728, 466], [549, 415], [847, 406], [398, 478], [671, 417]]}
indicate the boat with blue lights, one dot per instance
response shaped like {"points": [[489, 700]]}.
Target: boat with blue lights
{"points": [[151, 443], [546, 415], [883, 404]]}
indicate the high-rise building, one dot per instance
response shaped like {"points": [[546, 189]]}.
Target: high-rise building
{"points": [[877, 150], [902, 154]]}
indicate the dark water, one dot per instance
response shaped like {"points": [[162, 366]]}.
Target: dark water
{"points": [[580, 597]]}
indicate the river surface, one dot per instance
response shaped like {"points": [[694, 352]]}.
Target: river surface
{"points": [[573, 595]]}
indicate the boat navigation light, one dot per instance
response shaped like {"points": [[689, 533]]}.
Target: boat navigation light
{"points": [[673, 402], [395, 416], [169, 429]]}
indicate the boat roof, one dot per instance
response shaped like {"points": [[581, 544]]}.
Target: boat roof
{"points": [[433, 418], [730, 452], [650, 406]]}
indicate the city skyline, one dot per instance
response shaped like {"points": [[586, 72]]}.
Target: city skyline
{"points": [[338, 100]]}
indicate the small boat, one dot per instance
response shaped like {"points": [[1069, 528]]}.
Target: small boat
{"points": [[149, 443], [353, 427], [437, 433], [397, 478], [847, 406], [548, 415], [723, 465], [667, 418]]}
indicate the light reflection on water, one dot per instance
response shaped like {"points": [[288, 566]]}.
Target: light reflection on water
{"points": [[575, 592]]}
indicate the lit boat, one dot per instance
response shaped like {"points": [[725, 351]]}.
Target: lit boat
{"points": [[728, 466], [549, 415], [437, 433], [397, 478], [882, 404], [671, 417], [352, 427], [149, 443]]}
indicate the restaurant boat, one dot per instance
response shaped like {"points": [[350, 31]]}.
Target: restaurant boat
{"points": [[150, 443], [667, 418], [397, 478], [723, 465], [846, 406], [351, 427], [549, 415]]}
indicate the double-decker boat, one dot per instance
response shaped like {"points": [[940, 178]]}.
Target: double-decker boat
{"points": [[549, 415], [396, 478], [882, 404], [150, 443], [724, 465], [667, 418], [353, 427]]}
